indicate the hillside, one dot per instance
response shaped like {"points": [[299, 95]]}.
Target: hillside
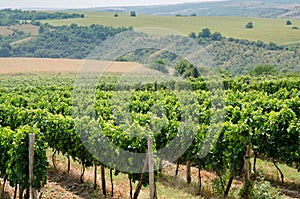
{"points": [[236, 49], [235, 56], [267, 30], [248, 8]]}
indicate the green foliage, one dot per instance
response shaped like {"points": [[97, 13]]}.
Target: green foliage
{"points": [[12, 17], [159, 65], [193, 35], [14, 157], [249, 25], [5, 50], [263, 70], [238, 56], [206, 33], [216, 36], [205, 36], [288, 23], [64, 42], [132, 14], [6, 42], [264, 190], [247, 190], [262, 112], [186, 69]]}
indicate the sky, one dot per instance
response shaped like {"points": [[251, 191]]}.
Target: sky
{"points": [[85, 3]]}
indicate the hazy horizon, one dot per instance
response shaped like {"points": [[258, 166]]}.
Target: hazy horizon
{"points": [[56, 4]]}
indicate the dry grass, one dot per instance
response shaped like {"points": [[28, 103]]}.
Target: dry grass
{"points": [[33, 65], [62, 185], [26, 28], [5, 31]]}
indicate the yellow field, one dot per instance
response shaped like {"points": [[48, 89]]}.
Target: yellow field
{"points": [[266, 30], [33, 65]]}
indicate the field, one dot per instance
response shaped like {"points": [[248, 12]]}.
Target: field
{"points": [[43, 104], [266, 30], [28, 28], [32, 65], [244, 138]]}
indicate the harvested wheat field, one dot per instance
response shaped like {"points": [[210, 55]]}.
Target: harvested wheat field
{"points": [[33, 65]]}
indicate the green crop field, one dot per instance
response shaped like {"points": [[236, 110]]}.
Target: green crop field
{"points": [[267, 30]]}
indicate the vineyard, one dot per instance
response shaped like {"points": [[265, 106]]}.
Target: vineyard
{"points": [[247, 117]]}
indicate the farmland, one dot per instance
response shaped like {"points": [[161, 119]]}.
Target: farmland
{"points": [[267, 30], [261, 108], [234, 132], [34, 65]]}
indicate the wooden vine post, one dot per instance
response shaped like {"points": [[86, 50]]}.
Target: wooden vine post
{"points": [[151, 170], [31, 161]]}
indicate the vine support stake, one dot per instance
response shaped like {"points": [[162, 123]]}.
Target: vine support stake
{"points": [[31, 161], [151, 169]]}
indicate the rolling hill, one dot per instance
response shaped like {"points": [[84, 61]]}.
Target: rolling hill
{"points": [[246, 8], [267, 30]]}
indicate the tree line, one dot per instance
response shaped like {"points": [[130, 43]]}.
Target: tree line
{"points": [[12, 17], [63, 41]]}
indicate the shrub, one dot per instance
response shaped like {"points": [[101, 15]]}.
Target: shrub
{"points": [[263, 70], [132, 14], [264, 190], [249, 25]]}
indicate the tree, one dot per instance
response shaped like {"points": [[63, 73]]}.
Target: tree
{"points": [[249, 25], [288, 22], [263, 70], [4, 52], [5, 49], [132, 14], [206, 33], [192, 35], [186, 69], [216, 36]]}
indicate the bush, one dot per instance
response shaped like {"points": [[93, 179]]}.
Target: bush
{"points": [[263, 70], [217, 36], [132, 14], [288, 22], [206, 33], [249, 25], [264, 190]]}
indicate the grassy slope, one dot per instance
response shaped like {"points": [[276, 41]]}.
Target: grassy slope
{"points": [[28, 28], [264, 29]]}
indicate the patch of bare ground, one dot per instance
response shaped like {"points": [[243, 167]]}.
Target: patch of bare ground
{"points": [[37, 65]]}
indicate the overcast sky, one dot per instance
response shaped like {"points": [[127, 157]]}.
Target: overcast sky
{"points": [[84, 3]]}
